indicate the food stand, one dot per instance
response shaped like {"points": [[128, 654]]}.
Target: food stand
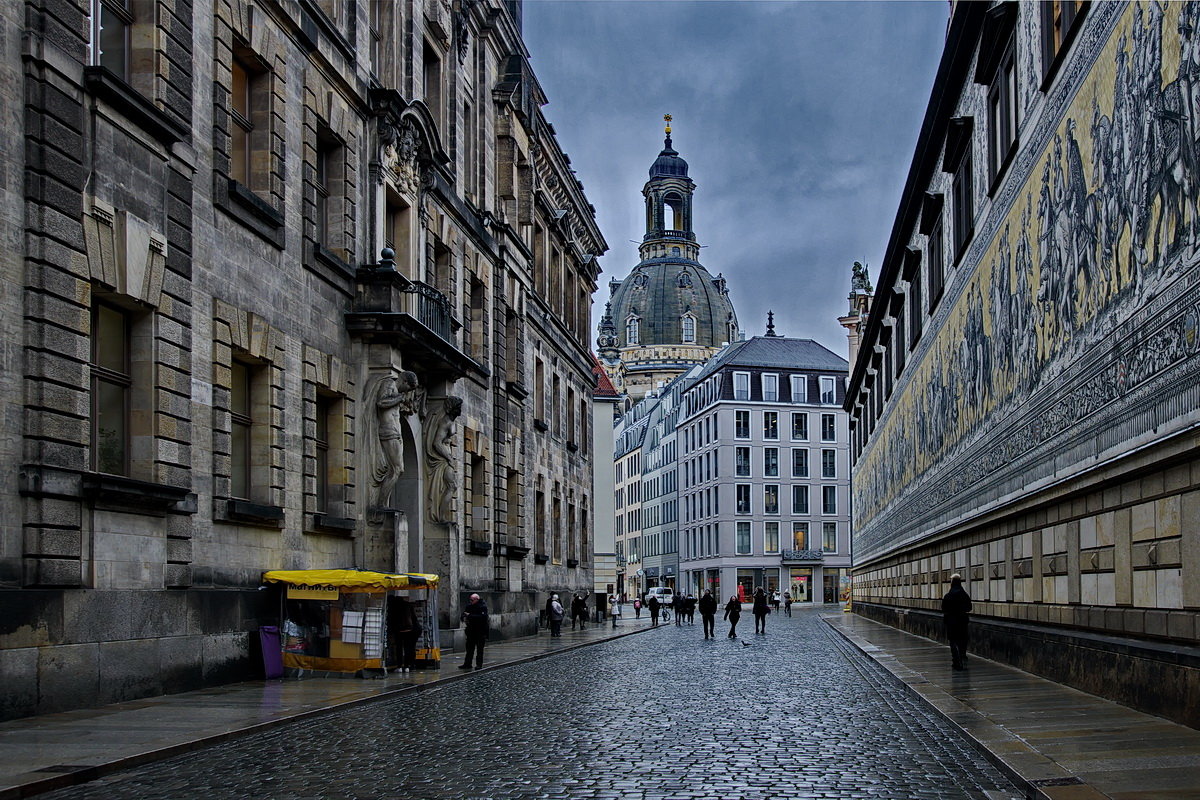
{"points": [[336, 620]]}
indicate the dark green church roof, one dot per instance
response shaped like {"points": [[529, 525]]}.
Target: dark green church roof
{"points": [[661, 291]]}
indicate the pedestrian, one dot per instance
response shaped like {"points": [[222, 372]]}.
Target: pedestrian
{"points": [[476, 626], [760, 609], [708, 614], [689, 608], [614, 608], [956, 611], [579, 612], [403, 632], [652, 604], [677, 607], [733, 612], [556, 616], [787, 603], [775, 600], [637, 608]]}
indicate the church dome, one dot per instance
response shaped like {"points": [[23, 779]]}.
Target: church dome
{"points": [[672, 301], [668, 164]]}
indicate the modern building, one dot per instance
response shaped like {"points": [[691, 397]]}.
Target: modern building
{"points": [[659, 552], [289, 285], [670, 313], [764, 472], [605, 400], [1026, 397]]}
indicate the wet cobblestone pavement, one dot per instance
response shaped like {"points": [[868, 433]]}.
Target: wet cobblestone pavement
{"points": [[663, 715]]}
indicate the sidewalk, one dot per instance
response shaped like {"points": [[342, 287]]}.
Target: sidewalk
{"points": [[38, 754], [1061, 743]]}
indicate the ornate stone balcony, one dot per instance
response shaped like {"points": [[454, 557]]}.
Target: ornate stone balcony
{"points": [[412, 315]]}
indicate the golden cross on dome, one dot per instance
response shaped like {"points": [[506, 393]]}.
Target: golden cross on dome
{"points": [[667, 119]]}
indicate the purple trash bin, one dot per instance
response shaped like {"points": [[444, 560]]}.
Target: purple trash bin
{"points": [[272, 654]]}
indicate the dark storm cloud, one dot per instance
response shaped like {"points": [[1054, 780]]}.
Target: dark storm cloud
{"points": [[798, 121]]}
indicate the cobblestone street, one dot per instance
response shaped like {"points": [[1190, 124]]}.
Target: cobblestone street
{"points": [[797, 713]]}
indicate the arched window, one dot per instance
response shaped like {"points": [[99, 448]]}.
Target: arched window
{"points": [[673, 212], [631, 331], [689, 328]]}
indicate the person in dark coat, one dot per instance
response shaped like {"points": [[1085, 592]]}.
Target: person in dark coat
{"points": [[476, 625], [956, 611], [677, 606], [689, 608], [762, 607], [708, 614], [652, 604], [579, 612], [733, 612]]}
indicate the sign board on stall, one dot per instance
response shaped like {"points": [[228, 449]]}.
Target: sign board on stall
{"points": [[311, 593]]}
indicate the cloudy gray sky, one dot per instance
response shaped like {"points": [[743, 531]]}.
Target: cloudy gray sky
{"points": [[798, 121]]}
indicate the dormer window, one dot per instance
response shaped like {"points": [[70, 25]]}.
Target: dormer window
{"points": [[632, 331], [688, 323]]}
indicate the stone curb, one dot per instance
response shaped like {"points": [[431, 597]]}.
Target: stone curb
{"points": [[982, 731], [92, 772]]}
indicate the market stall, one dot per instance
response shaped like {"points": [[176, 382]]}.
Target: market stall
{"points": [[348, 620]]}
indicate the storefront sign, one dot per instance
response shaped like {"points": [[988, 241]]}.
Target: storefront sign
{"points": [[311, 593]]}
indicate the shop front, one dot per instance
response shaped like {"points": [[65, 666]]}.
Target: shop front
{"points": [[355, 621]]}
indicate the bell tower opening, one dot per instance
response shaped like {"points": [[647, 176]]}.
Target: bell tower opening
{"points": [[674, 214]]}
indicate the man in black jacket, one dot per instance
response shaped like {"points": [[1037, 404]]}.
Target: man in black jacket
{"points": [[475, 624], [708, 614], [653, 604], [956, 611]]}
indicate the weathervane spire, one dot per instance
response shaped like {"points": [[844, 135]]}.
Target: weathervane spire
{"points": [[667, 119]]}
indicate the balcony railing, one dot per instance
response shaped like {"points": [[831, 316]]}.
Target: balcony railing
{"points": [[682, 236], [429, 307]]}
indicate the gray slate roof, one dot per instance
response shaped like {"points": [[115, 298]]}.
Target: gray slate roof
{"points": [[782, 352]]}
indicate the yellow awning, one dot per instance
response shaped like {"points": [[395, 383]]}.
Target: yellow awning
{"points": [[351, 579]]}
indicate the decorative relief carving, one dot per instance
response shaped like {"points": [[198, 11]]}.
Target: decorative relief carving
{"points": [[1083, 294], [400, 148]]}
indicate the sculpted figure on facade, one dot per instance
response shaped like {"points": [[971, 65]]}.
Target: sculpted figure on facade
{"points": [[442, 479], [400, 155], [391, 397]]}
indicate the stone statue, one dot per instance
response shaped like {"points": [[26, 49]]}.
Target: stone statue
{"points": [[860, 281], [443, 480], [391, 397]]}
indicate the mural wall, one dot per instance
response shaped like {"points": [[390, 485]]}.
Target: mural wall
{"points": [[1075, 336]]}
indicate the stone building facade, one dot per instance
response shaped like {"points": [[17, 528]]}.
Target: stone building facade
{"points": [[289, 284], [1026, 396]]}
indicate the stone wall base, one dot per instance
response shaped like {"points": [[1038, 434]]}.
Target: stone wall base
{"points": [[1155, 677]]}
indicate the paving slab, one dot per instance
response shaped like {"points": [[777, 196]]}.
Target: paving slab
{"points": [[50, 751], [1059, 742]]}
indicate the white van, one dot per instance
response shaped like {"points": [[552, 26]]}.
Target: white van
{"points": [[664, 594]]}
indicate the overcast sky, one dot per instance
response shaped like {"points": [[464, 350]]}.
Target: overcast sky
{"points": [[797, 119]]}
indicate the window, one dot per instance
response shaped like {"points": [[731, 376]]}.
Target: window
{"points": [[539, 392], [741, 424], [937, 267], [771, 425], [799, 427], [689, 328], [828, 428], [111, 386], [241, 423], [1002, 114], [741, 462], [242, 128], [770, 537], [770, 388], [1059, 18], [828, 499], [799, 535], [771, 462], [112, 21], [828, 463], [325, 175], [799, 499], [799, 388], [324, 411], [963, 193], [743, 538], [828, 390], [632, 335], [916, 311], [743, 498], [898, 347], [799, 463], [770, 499], [432, 81], [829, 537], [741, 386]]}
